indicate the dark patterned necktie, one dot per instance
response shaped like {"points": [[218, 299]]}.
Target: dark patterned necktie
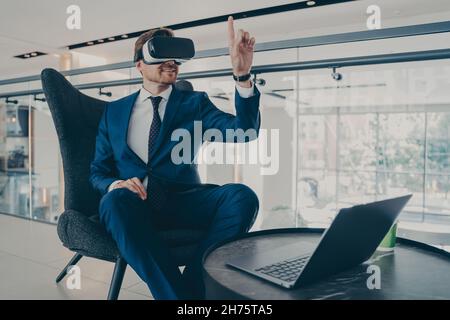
{"points": [[156, 193], [155, 126]]}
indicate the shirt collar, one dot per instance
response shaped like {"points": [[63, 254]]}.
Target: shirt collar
{"points": [[144, 94]]}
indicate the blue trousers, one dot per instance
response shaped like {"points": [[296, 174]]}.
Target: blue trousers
{"points": [[222, 211]]}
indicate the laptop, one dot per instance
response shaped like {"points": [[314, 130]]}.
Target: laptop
{"points": [[351, 239]]}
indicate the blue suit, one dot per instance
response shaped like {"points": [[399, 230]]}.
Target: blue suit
{"points": [[222, 211]]}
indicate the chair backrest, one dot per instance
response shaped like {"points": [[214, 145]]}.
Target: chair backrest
{"points": [[76, 117]]}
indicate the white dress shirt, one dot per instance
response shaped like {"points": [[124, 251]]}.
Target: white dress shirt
{"points": [[142, 117]]}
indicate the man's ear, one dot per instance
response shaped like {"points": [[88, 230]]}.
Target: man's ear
{"points": [[139, 66]]}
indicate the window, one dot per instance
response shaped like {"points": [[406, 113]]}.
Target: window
{"points": [[382, 131]]}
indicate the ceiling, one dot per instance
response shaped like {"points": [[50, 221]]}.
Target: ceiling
{"points": [[27, 26]]}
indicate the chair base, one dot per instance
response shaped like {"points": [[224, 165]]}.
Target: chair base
{"points": [[117, 278], [116, 281], [71, 263]]}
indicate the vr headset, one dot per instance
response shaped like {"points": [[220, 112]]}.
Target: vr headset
{"points": [[160, 49]]}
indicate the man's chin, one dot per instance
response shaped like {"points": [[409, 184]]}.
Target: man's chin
{"points": [[169, 80]]}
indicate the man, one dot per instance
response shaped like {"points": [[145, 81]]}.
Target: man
{"points": [[143, 190]]}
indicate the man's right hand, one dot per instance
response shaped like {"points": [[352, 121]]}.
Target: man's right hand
{"points": [[133, 184]]}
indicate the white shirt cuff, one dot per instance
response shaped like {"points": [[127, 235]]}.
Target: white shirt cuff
{"points": [[111, 186], [246, 92]]}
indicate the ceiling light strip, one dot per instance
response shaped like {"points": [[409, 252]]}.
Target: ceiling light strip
{"points": [[202, 22]]}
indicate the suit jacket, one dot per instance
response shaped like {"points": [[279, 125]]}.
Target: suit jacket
{"points": [[115, 160]]}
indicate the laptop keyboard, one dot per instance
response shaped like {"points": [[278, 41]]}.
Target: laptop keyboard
{"points": [[287, 270]]}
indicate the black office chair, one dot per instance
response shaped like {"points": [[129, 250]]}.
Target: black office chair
{"points": [[76, 117]]}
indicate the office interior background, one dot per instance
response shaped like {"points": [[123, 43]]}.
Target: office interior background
{"points": [[380, 131]]}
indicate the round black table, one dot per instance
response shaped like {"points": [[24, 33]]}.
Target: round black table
{"points": [[412, 271]]}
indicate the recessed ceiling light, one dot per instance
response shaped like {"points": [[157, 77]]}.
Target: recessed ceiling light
{"points": [[111, 38], [100, 40], [30, 55], [310, 3], [90, 43], [124, 36]]}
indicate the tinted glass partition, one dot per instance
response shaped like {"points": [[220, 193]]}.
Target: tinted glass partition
{"points": [[381, 131]]}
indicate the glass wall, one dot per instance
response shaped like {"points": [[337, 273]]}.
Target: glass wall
{"points": [[379, 132], [30, 165], [15, 156]]}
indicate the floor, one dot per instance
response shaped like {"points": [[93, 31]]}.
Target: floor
{"points": [[31, 256]]}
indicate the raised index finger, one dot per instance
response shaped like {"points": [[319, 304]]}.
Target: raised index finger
{"points": [[230, 28]]}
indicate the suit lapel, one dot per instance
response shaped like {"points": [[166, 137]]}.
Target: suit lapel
{"points": [[171, 110]]}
